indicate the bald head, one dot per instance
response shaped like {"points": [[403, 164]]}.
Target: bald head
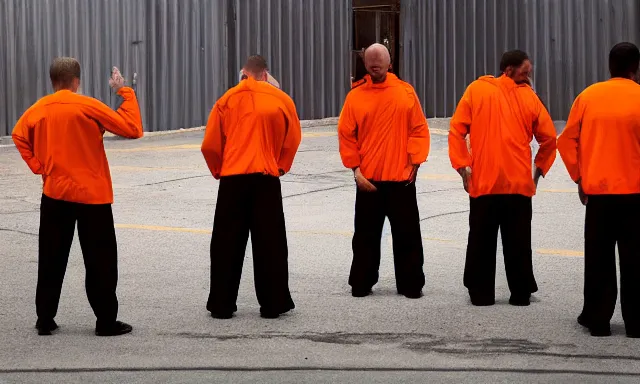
{"points": [[377, 60]]}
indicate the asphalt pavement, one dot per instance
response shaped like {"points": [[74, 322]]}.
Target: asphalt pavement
{"points": [[164, 204]]}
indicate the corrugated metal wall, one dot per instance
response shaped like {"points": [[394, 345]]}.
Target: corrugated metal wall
{"points": [[449, 43], [186, 53], [177, 48], [306, 43]]}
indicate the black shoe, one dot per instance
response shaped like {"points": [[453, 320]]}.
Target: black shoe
{"points": [[482, 301], [582, 320], [412, 294], [45, 327], [271, 314], [633, 334], [520, 301], [116, 329], [222, 315], [355, 292], [600, 331], [595, 330]]}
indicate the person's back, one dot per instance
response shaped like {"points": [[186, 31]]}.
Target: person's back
{"points": [[251, 139], [255, 118], [60, 138], [66, 130], [600, 147], [609, 150], [502, 118]]}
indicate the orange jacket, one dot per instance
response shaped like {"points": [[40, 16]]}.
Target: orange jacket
{"points": [[601, 141], [501, 119], [382, 130], [60, 138], [253, 128]]}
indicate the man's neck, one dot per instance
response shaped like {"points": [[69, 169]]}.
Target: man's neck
{"points": [[380, 80]]}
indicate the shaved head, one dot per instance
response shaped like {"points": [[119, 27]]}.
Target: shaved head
{"points": [[377, 60]]}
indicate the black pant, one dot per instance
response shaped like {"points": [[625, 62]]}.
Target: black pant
{"points": [[397, 201], [99, 250], [612, 219], [512, 215], [249, 203]]}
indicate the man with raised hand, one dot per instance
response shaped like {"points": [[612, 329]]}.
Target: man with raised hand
{"points": [[60, 138]]}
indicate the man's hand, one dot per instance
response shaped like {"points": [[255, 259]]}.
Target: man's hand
{"points": [[536, 176], [413, 174], [116, 81], [584, 199], [362, 182], [465, 173]]}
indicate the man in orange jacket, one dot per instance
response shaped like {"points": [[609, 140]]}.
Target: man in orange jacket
{"points": [[60, 138], [501, 115], [251, 139], [384, 138], [600, 147]]}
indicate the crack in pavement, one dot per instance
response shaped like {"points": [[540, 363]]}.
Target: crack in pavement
{"points": [[316, 190], [422, 343], [444, 214], [18, 231], [172, 180]]}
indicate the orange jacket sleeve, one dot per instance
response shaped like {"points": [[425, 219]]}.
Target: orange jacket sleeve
{"points": [[545, 133], [458, 131], [125, 122], [23, 138], [419, 138], [569, 139], [213, 143], [292, 138], [348, 137]]}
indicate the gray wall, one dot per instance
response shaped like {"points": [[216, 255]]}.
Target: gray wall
{"points": [[186, 53], [449, 43]]}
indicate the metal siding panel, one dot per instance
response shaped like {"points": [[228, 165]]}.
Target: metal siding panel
{"points": [[179, 59], [306, 44], [568, 42]]}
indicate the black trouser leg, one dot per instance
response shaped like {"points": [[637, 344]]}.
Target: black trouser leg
{"points": [[515, 228], [408, 257], [480, 265], [369, 220], [229, 242], [600, 285], [629, 251], [100, 252], [269, 244], [57, 226]]}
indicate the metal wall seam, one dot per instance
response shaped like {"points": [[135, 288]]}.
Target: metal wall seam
{"points": [[568, 42]]}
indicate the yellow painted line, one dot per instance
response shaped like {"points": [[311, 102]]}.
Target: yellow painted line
{"points": [[319, 134], [575, 190], [208, 231], [151, 148], [439, 132], [434, 176], [438, 240], [132, 168], [161, 228], [560, 252]]}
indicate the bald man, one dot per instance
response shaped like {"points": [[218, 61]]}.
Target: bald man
{"points": [[384, 138]]}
